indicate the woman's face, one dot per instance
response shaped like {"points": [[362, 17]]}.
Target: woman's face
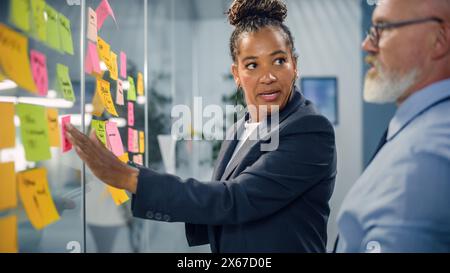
{"points": [[265, 68]]}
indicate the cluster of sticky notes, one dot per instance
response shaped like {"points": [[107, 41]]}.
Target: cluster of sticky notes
{"points": [[36, 197], [136, 141], [8, 130]]}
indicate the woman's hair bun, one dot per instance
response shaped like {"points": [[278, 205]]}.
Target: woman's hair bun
{"points": [[243, 10]]}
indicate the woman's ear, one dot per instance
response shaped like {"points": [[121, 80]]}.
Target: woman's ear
{"points": [[234, 71]]}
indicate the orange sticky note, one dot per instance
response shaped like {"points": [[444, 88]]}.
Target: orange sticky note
{"points": [[36, 198], [140, 84], [97, 105], [8, 130], [141, 142], [39, 69], [8, 235], [124, 158], [104, 52], [103, 90], [53, 127], [8, 190], [114, 72], [119, 196], [14, 59]]}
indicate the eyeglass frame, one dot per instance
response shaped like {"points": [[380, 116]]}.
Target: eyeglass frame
{"points": [[374, 32]]}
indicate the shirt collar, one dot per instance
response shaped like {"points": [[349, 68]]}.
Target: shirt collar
{"points": [[418, 103]]}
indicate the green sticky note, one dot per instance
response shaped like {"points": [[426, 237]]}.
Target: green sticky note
{"points": [[65, 34], [52, 28], [64, 82], [100, 130], [34, 131], [39, 22], [20, 14], [131, 96]]}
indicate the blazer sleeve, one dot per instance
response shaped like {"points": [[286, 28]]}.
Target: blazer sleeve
{"points": [[304, 158]]}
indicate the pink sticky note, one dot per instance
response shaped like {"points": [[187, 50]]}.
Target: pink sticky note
{"points": [[119, 93], [113, 138], [103, 11], [92, 63], [130, 114], [66, 144], [130, 140], [135, 141], [123, 64], [39, 69], [138, 159], [92, 25]]}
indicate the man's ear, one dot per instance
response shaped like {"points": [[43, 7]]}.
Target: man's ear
{"points": [[442, 42], [234, 71]]}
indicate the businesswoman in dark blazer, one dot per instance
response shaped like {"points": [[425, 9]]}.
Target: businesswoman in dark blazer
{"points": [[257, 201]]}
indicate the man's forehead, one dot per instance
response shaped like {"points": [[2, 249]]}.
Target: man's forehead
{"points": [[397, 9]]}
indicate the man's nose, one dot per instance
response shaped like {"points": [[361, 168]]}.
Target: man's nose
{"points": [[368, 46]]}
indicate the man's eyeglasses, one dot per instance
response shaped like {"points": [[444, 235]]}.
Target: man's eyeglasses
{"points": [[374, 32]]}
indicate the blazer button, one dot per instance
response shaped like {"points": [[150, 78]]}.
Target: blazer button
{"points": [[158, 216], [166, 218], [149, 214]]}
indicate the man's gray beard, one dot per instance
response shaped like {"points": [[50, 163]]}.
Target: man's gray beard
{"points": [[388, 88]]}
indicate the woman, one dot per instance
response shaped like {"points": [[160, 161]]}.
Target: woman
{"points": [[258, 201]]}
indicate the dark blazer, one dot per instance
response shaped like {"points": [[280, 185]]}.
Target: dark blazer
{"points": [[273, 201]]}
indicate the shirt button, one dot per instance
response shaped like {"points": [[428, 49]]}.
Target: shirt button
{"points": [[158, 216], [166, 218], [149, 214]]}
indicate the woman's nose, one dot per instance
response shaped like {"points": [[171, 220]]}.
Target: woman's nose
{"points": [[268, 78]]}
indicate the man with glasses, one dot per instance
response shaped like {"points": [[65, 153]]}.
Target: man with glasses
{"points": [[401, 203]]}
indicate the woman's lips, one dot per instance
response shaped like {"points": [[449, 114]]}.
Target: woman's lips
{"points": [[270, 96]]}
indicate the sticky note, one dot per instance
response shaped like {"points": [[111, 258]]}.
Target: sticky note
{"points": [[119, 93], [14, 59], [8, 190], [64, 82], [92, 63], [140, 84], [8, 235], [124, 158], [130, 114], [66, 144], [34, 131], [131, 95], [138, 159], [20, 14], [119, 196], [53, 39], [39, 21], [113, 139], [92, 25], [105, 96], [53, 127], [141, 142], [39, 70], [104, 51], [97, 105], [133, 140], [114, 72], [8, 130], [65, 34], [36, 198], [100, 130], [103, 11], [123, 65]]}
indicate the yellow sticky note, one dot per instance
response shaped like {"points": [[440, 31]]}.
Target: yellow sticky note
{"points": [[124, 158], [140, 84], [20, 14], [141, 142], [36, 198], [39, 22], [8, 235], [8, 130], [103, 90], [104, 52], [65, 34], [114, 70], [53, 127], [97, 105], [14, 58], [119, 196], [53, 39], [8, 190]]}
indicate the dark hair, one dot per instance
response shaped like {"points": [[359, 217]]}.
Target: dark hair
{"points": [[253, 15]]}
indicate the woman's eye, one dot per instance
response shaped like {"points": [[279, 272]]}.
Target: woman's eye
{"points": [[280, 61], [251, 66]]}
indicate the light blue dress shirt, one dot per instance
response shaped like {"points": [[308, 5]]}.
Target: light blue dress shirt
{"points": [[401, 203]]}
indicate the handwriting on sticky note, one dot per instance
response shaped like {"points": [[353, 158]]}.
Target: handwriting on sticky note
{"points": [[39, 69], [14, 58], [113, 139], [92, 63], [119, 93], [8, 130], [141, 142], [53, 39], [104, 51], [36, 198], [103, 90], [34, 131], [65, 84], [130, 114], [100, 130], [92, 25], [140, 84], [8, 234], [65, 33], [39, 21], [119, 196], [123, 65], [114, 72], [66, 144], [8, 190], [20, 14], [103, 11], [131, 95], [53, 127]]}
